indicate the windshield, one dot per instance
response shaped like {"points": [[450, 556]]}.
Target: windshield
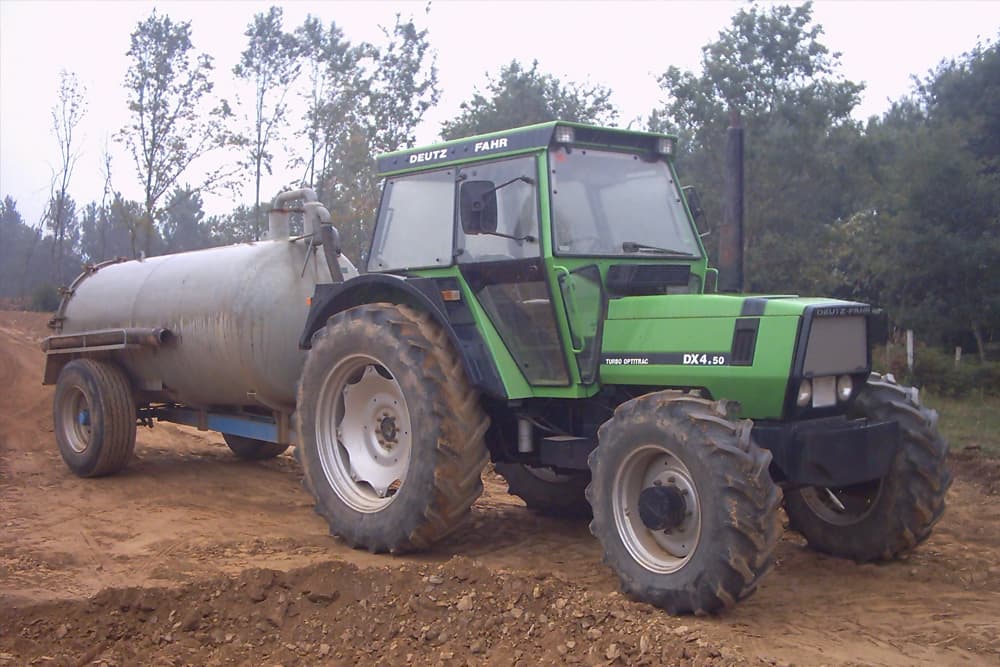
{"points": [[607, 203]]}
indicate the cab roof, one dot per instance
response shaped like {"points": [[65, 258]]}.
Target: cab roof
{"points": [[511, 142]]}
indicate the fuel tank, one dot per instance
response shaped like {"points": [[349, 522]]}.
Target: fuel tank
{"points": [[234, 315]]}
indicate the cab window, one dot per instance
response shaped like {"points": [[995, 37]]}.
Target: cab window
{"points": [[514, 185], [415, 222]]}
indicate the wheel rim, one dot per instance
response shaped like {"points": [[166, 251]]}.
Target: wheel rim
{"points": [[843, 506], [659, 551], [363, 433], [75, 421]]}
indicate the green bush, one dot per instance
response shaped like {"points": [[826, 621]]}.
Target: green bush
{"points": [[45, 298], [936, 370]]}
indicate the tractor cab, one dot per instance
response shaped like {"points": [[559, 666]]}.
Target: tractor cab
{"points": [[540, 227]]}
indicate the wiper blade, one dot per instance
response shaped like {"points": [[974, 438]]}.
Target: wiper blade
{"points": [[632, 246]]}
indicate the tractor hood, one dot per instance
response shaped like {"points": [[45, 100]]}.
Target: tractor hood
{"points": [[749, 349]]}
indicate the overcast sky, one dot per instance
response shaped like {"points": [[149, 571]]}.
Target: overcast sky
{"points": [[622, 45]]}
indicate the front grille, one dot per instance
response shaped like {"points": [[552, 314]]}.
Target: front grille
{"points": [[836, 345]]}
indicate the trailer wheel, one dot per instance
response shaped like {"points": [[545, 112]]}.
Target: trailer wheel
{"points": [[391, 434], [94, 417], [684, 505], [252, 449], [883, 519], [546, 491]]}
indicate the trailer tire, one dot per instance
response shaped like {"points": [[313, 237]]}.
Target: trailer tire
{"points": [[94, 417], [706, 532], [884, 519], [391, 433], [547, 492], [252, 449]]}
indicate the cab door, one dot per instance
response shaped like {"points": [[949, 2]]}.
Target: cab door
{"points": [[498, 251]]}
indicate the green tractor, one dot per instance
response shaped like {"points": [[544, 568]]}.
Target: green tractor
{"points": [[541, 297]]}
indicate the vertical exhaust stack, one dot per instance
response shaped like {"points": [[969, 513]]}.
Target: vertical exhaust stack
{"points": [[731, 232]]}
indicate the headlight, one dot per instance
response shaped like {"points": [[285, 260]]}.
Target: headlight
{"points": [[844, 387], [805, 394], [665, 146], [564, 135]]}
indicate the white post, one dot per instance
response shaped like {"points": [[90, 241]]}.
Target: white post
{"points": [[958, 356], [909, 350]]}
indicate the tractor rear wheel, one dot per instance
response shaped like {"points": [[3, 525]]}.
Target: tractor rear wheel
{"points": [[252, 449], [391, 434], [884, 518], [94, 417], [546, 491], [684, 505]]}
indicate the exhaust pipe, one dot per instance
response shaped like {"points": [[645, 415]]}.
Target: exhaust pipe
{"points": [[731, 231]]}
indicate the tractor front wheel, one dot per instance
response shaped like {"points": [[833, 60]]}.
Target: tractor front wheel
{"points": [[884, 518], [391, 434], [683, 503]]}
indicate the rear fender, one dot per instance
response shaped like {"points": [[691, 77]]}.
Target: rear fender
{"points": [[422, 293]]}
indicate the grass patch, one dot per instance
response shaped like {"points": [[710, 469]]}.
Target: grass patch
{"points": [[973, 421]]}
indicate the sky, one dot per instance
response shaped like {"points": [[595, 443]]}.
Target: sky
{"points": [[621, 45]]}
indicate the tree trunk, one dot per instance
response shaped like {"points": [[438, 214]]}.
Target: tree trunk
{"points": [[977, 332]]}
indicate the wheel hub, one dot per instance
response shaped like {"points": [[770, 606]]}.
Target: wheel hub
{"points": [[662, 507], [656, 508], [387, 431]]}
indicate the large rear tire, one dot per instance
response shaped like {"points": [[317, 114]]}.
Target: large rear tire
{"points": [[547, 492], [883, 519], [252, 449], [683, 503], [391, 434], [94, 417]]}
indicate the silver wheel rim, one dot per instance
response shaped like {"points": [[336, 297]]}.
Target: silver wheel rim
{"points": [[363, 433], [843, 507], [662, 552], [75, 421]]}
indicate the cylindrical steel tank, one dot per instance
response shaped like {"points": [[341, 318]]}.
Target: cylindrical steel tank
{"points": [[235, 312]]}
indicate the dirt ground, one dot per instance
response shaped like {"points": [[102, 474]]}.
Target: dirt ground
{"points": [[193, 557]]}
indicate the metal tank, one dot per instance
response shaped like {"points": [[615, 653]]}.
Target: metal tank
{"points": [[220, 326]]}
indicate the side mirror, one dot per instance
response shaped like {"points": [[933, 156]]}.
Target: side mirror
{"points": [[694, 202], [477, 206]]}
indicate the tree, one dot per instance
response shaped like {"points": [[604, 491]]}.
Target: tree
{"points": [[770, 66], [231, 228], [365, 99], [403, 88], [168, 87], [337, 88], [69, 109], [517, 96], [934, 226], [270, 63], [12, 228], [182, 227]]}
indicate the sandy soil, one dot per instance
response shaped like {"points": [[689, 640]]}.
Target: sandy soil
{"points": [[193, 557]]}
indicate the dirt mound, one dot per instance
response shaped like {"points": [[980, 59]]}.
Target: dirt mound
{"points": [[456, 613]]}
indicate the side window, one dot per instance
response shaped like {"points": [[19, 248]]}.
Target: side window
{"points": [[517, 212], [415, 222]]}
